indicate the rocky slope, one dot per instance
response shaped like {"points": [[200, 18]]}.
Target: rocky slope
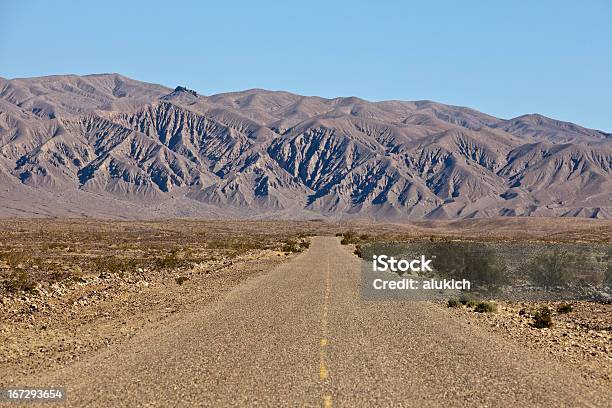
{"points": [[109, 146]]}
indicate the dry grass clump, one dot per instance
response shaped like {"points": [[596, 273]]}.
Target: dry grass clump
{"points": [[453, 303], [485, 307], [543, 318]]}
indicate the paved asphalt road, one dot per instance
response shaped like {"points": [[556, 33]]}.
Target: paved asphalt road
{"points": [[302, 336]]}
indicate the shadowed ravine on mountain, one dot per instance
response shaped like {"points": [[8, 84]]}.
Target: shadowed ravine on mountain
{"points": [[301, 335], [108, 146]]}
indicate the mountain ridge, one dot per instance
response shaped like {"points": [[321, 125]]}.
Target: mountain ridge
{"points": [[119, 147]]}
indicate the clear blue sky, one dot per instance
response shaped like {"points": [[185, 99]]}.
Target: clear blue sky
{"points": [[504, 58]]}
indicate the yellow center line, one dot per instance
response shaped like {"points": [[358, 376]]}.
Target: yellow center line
{"points": [[323, 373], [323, 370]]}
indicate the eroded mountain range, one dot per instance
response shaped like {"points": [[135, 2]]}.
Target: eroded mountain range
{"points": [[109, 146]]}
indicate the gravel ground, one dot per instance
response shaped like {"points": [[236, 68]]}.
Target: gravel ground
{"points": [[302, 335], [581, 337]]}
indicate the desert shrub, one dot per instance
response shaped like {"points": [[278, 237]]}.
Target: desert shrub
{"points": [[181, 279], [19, 280], [549, 269], [349, 237], [477, 263], [467, 299], [542, 318], [339, 234], [294, 245], [289, 247], [485, 307], [453, 303], [358, 251], [171, 261], [564, 308]]}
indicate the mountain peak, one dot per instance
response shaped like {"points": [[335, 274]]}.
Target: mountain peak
{"points": [[180, 89]]}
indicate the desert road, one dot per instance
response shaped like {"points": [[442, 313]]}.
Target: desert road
{"points": [[301, 335]]}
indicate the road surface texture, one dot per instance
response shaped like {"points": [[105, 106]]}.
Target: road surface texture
{"points": [[302, 336]]}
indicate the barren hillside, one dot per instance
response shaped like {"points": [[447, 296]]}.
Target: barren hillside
{"points": [[109, 146]]}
